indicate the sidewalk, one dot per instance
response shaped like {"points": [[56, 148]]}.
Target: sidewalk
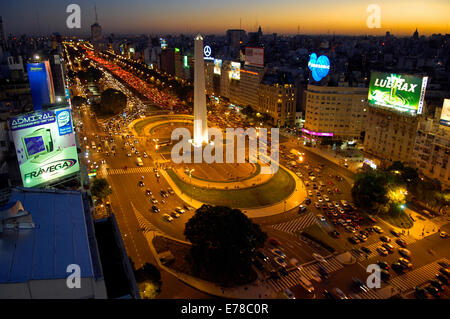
{"points": [[293, 201]]}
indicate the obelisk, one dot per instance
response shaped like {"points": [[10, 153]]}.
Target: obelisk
{"points": [[200, 116]]}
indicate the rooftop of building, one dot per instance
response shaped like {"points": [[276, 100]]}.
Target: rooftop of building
{"points": [[280, 78], [62, 235]]}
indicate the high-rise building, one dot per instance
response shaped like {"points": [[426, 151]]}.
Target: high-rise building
{"points": [[389, 136], [432, 150], [337, 112], [277, 98], [3, 42], [96, 33], [235, 37], [249, 85]]}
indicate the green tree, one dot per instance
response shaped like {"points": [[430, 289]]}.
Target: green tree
{"points": [[112, 102], [224, 240], [100, 188], [370, 190], [149, 282]]}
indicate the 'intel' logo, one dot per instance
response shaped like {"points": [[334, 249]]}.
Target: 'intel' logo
{"points": [[319, 66], [63, 118]]}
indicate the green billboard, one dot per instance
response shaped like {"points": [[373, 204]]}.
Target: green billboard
{"points": [[401, 92], [45, 145]]}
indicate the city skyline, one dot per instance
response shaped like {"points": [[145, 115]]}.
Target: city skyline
{"points": [[284, 17]]}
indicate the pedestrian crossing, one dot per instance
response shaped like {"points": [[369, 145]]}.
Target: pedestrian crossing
{"points": [[373, 248], [295, 274], [144, 224], [131, 170], [418, 276], [299, 223]]}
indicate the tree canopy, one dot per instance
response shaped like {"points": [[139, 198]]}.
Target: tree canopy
{"points": [[100, 188], [224, 240], [149, 282], [112, 102]]}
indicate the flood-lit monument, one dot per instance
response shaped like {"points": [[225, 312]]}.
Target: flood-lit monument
{"points": [[200, 116]]}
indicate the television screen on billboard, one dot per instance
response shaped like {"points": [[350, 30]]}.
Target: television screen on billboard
{"points": [[235, 73], [217, 66], [45, 146], [445, 115], [401, 92], [254, 56], [41, 84]]}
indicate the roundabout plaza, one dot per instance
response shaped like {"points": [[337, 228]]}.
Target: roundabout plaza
{"points": [[236, 183]]}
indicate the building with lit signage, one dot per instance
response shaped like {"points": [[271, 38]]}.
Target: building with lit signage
{"points": [[277, 98], [337, 112], [396, 102], [432, 150]]}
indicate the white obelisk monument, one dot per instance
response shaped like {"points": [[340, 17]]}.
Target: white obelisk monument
{"points": [[200, 116]]}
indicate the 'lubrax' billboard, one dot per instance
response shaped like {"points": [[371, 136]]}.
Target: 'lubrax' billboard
{"points": [[45, 145], [404, 93]]}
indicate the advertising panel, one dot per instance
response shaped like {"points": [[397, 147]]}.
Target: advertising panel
{"points": [[41, 84], [445, 115], [207, 53], [235, 73], [217, 66], [401, 92], [45, 145], [319, 66], [254, 56]]}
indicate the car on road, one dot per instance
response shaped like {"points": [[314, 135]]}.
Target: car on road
{"points": [[385, 239], [383, 265], [258, 264], [401, 242], [385, 275], [283, 271], [377, 229], [366, 250], [167, 218], [155, 209], [326, 198], [350, 229], [433, 291], [262, 256], [163, 193], [157, 175], [317, 204], [148, 192], [314, 275], [175, 214], [321, 218], [361, 237], [301, 208], [436, 283], [154, 200], [420, 293], [397, 267], [442, 279], [404, 253], [382, 251], [359, 285], [280, 261], [340, 293], [319, 258], [278, 252], [170, 191], [405, 262], [141, 184], [289, 293], [388, 247], [354, 240], [443, 234], [179, 210], [306, 284], [396, 233], [310, 193], [328, 294]]}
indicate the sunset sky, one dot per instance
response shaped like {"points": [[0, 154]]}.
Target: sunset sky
{"points": [[211, 16]]}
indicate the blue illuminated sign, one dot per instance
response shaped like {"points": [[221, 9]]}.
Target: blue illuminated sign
{"points": [[319, 66]]}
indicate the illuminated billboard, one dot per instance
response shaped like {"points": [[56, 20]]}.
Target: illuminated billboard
{"points": [[254, 56], [235, 73], [207, 53], [45, 146], [217, 66], [41, 84], [401, 92], [445, 115], [163, 43], [319, 66]]}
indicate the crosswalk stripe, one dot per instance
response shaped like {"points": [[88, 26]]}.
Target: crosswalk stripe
{"points": [[131, 170], [418, 276], [297, 224]]}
